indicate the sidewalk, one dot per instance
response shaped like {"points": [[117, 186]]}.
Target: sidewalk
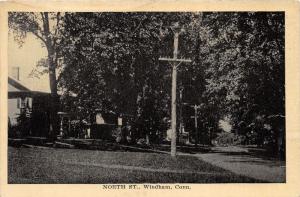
{"points": [[237, 160]]}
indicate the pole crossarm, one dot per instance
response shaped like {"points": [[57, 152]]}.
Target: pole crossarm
{"points": [[174, 60], [192, 105]]}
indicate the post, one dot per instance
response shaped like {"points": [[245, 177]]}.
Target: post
{"points": [[196, 126], [61, 126], [174, 87], [175, 53], [69, 125], [173, 136], [180, 113]]}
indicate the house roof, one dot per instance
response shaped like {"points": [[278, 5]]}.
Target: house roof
{"points": [[18, 94], [17, 84], [23, 91]]}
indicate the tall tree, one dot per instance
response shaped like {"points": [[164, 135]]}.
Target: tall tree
{"points": [[111, 63], [44, 26], [246, 69], [119, 52]]}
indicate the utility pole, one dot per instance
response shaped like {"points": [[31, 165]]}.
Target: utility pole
{"points": [[175, 62], [196, 107]]}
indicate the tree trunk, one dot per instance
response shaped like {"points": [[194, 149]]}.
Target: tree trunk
{"points": [[54, 100], [54, 128]]}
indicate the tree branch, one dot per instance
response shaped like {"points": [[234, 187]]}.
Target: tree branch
{"points": [[137, 27], [43, 18], [57, 21], [39, 36], [56, 30]]}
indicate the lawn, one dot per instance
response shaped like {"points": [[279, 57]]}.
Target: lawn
{"points": [[35, 165]]}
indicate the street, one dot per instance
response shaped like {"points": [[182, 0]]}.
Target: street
{"points": [[239, 161]]}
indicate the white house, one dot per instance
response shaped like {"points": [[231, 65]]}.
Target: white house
{"points": [[19, 99], [34, 104]]}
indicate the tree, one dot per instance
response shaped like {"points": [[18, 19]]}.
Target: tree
{"points": [[245, 72], [45, 27], [119, 53], [237, 70]]}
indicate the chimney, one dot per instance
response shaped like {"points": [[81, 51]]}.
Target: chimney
{"points": [[16, 73]]}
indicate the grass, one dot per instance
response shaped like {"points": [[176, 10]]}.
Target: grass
{"points": [[33, 165]]}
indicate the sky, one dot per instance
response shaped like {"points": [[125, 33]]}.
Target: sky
{"points": [[225, 125], [26, 58]]}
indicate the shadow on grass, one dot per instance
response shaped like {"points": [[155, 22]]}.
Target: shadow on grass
{"points": [[30, 165]]}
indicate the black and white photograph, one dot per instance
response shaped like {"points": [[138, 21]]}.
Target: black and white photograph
{"points": [[146, 98]]}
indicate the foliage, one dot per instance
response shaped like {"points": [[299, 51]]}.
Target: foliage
{"points": [[110, 63], [246, 68], [119, 53], [45, 26]]}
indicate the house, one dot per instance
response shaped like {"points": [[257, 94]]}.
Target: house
{"points": [[29, 115], [18, 101], [28, 111]]}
